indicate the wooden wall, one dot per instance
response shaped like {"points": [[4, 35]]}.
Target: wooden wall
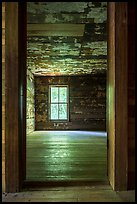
{"points": [[3, 96], [87, 105], [131, 95], [30, 109]]}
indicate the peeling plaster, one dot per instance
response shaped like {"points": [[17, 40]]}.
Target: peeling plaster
{"points": [[57, 7], [64, 55], [57, 12]]}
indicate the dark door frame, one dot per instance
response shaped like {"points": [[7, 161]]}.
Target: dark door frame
{"points": [[117, 94], [15, 94], [15, 79]]}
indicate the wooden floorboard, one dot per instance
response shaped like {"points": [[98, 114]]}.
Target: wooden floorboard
{"points": [[100, 193], [66, 156]]}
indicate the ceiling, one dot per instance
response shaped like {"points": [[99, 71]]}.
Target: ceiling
{"points": [[66, 38]]}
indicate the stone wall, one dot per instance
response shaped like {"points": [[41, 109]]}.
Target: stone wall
{"points": [[87, 102], [30, 108]]}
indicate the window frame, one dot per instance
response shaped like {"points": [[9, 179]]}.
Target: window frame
{"points": [[49, 104]]}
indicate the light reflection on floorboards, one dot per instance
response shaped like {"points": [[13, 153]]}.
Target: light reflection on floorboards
{"points": [[66, 156]]}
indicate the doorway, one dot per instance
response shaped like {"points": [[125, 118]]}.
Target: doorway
{"points": [[67, 48], [117, 175]]}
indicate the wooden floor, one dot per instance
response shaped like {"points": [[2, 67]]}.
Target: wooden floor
{"points": [[66, 156], [71, 194]]}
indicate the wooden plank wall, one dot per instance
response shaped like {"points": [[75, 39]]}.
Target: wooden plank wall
{"points": [[131, 94], [3, 96]]}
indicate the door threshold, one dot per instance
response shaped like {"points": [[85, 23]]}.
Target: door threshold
{"points": [[40, 185]]}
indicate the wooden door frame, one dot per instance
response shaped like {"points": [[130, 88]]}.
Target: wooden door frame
{"points": [[15, 95], [117, 95], [15, 79]]}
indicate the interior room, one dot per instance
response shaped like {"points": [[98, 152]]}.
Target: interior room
{"points": [[68, 101], [66, 91]]}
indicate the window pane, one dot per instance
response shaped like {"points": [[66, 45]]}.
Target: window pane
{"points": [[63, 94], [54, 94], [54, 111], [63, 111]]}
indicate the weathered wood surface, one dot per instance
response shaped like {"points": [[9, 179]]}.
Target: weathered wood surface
{"points": [[66, 156], [121, 97], [12, 99], [3, 96], [71, 194], [15, 59], [131, 95], [67, 38], [55, 29], [110, 96], [117, 94]]}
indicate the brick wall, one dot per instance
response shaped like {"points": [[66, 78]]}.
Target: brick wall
{"points": [[87, 103]]}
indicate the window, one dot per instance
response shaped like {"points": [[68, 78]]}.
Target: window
{"points": [[58, 102]]}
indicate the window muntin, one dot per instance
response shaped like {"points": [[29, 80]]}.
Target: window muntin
{"points": [[58, 103]]}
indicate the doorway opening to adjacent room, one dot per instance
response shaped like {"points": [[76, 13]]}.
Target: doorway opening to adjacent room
{"points": [[66, 138], [15, 78]]}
